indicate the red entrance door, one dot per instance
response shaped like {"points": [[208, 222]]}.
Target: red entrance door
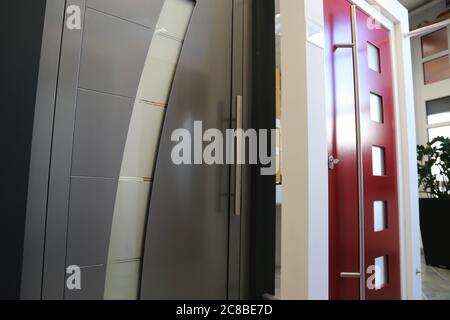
{"points": [[364, 226]]}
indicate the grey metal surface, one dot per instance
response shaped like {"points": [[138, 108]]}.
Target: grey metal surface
{"points": [[40, 153], [143, 12], [113, 54], [101, 128], [186, 248], [236, 173], [92, 283], [103, 62], [59, 184], [243, 228], [90, 218]]}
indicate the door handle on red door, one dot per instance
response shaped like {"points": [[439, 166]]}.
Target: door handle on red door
{"points": [[332, 162]]}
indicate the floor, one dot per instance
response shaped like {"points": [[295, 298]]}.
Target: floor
{"points": [[435, 282]]}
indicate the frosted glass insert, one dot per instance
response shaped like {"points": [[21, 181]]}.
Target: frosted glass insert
{"points": [[376, 108], [165, 49], [122, 281], [156, 86], [131, 208], [379, 216], [381, 272], [130, 211], [373, 54], [378, 161], [174, 19], [142, 142]]}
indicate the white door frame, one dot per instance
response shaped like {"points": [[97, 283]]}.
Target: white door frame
{"points": [[304, 265]]}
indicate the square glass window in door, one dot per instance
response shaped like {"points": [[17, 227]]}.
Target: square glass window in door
{"points": [[376, 108], [373, 55], [378, 161], [381, 272], [380, 215]]}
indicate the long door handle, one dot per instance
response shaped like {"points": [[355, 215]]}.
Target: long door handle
{"points": [[353, 45], [238, 162]]}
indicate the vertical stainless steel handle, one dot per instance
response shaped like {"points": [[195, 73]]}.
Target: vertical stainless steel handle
{"points": [[361, 213], [238, 162]]}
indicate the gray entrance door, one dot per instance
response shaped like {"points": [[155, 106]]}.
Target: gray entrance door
{"points": [[186, 248]]}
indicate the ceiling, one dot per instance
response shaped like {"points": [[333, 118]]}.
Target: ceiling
{"points": [[414, 4]]}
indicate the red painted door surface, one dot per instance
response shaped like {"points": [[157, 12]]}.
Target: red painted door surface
{"points": [[372, 112]]}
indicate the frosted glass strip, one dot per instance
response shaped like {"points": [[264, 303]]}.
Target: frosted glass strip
{"points": [[165, 49], [380, 216], [373, 55], [175, 17], [122, 281], [381, 272], [376, 108], [157, 81], [130, 214], [378, 161], [142, 142]]}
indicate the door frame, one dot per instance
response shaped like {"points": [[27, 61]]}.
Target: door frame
{"points": [[303, 275], [34, 242]]}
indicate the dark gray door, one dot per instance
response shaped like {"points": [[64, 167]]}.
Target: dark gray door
{"points": [[186, 247]]}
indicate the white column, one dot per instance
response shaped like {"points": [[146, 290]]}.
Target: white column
{"points": [[304, 247]]}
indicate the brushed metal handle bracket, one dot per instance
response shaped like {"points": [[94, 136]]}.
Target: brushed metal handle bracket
{"points": [[350, 275]]}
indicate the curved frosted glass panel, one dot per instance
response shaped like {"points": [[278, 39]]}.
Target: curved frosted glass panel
{"points": [[127, 235]]}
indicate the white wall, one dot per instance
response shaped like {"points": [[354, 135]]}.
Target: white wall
{"points": [[304, 265]]}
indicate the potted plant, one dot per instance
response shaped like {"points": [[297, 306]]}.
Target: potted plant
{"points": [[434, 181]]}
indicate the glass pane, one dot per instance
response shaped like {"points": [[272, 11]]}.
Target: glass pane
{"points": [[378, 161], [381, 272], [438, 111], [437, 70], [373, 57], [434, 43], [174, 18], [376, 108], [122, 281], [380, 216], [439, 132]]}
